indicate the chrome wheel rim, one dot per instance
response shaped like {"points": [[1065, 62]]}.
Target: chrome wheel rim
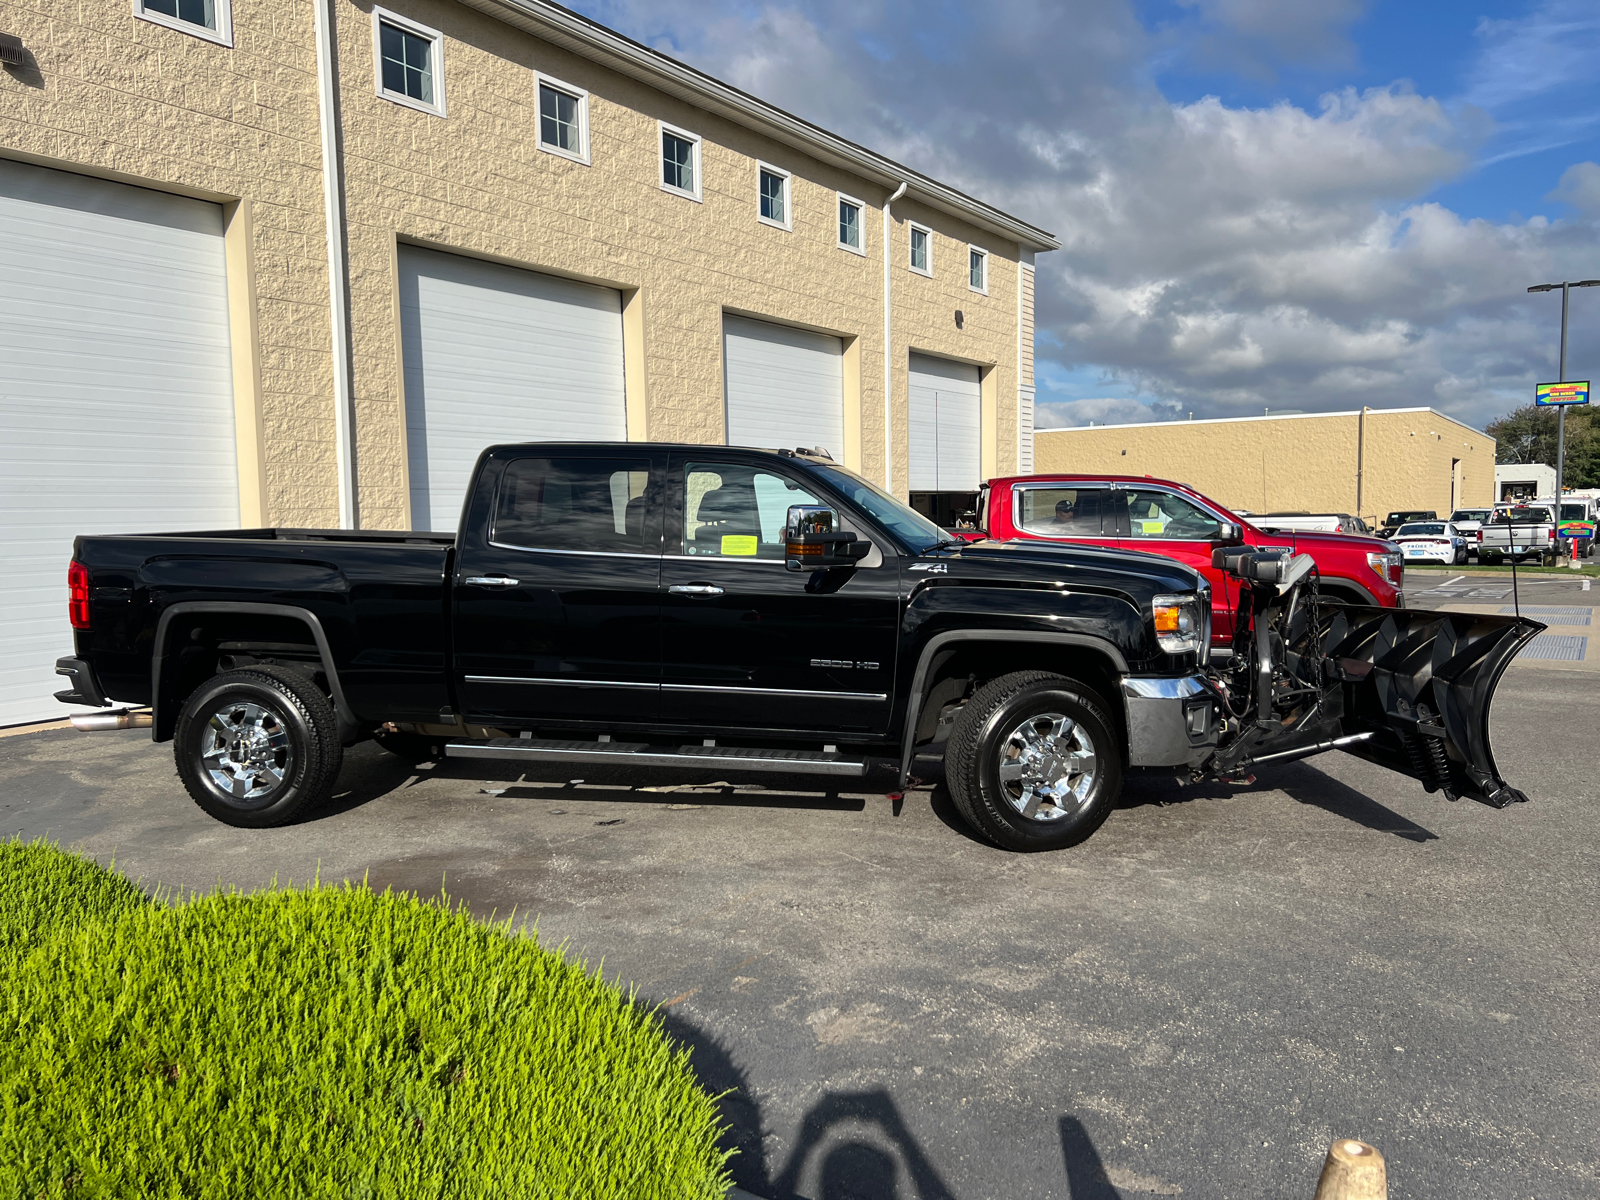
{"points": [[1048, 767], [246, 753]]}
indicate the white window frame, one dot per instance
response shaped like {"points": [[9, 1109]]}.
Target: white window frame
{"points": [[663, 128], [911, 227], [222, 35], [787, 224], [861, 224], [382, 17], [540, 80], [971, 250]]}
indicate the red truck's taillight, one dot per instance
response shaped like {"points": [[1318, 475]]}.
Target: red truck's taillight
{"points": [[78, 595]]}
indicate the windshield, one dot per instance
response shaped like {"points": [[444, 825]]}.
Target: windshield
{"points": [[1521, 516], [903, 521], [1470, 514], [1421, 531]]}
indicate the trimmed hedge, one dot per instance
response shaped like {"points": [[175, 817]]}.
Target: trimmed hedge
{"points": [[324, 1042]]}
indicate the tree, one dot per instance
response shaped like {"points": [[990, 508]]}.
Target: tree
{"points": [[1528, 435]]}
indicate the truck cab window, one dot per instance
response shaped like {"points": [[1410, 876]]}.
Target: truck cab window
{"points": [[574, 504], [1158, 514], [733, 511], [1069, 512]]}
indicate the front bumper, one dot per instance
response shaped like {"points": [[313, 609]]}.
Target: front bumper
{"points": [[1172, 721]]}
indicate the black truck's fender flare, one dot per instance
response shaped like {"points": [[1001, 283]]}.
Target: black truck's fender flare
{"points": [[341, 706], [917, 694]]}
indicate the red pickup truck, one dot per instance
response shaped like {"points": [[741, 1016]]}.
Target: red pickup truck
{"points": [[1132, 512]]}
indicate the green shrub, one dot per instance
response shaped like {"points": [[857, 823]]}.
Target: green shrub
{"points": [[333, 1042], [42, 889]]}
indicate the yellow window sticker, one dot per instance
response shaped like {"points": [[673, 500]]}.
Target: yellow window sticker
{"points": [[736, 543]]}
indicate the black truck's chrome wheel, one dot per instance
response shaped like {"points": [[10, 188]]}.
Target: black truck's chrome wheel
{"points": [[247, 753], [255, 747], [1032, 763], [1048, 766]]}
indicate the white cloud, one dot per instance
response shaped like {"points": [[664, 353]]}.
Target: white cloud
{"points": [[1214, 258], [1580, 187]]}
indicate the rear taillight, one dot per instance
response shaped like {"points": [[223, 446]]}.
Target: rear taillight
{"points": [[1480, 537], [1550, 534], [78, 595]]}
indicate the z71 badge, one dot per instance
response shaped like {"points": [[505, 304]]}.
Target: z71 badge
{"points": [[931, 568]]}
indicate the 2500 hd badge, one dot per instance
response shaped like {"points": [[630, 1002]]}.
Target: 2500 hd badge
{"points": [[668, 605]]}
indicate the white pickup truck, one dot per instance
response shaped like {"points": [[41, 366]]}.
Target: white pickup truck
{"points": [[1520, 531]]}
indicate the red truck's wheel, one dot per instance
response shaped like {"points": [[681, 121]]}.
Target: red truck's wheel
{"points": [[1032, 763], [255, 747]]}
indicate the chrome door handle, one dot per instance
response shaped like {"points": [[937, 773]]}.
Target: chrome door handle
{"points": [[695, 589], [490, 581]]}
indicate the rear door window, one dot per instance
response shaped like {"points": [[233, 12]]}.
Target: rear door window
{"points": [[1069, 511], [591, 504]]}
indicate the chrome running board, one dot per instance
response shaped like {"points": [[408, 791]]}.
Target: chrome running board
{"points": [[641, 754]]}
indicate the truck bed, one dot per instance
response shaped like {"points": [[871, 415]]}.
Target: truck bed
{"points": [[377, 598]]}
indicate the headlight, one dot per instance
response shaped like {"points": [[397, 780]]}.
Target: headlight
{"points": [[1390, 565], [1180, 622]]}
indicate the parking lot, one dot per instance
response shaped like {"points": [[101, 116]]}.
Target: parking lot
{"points": [[1193, 1002]]}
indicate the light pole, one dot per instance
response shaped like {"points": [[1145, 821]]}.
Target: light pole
{"points": [[1561, 419]]}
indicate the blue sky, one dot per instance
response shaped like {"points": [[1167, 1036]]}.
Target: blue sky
{"points": [[1286, 204]]}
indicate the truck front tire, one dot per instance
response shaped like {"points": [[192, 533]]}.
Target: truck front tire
{"points": [[256, 747], [1032, 763]]}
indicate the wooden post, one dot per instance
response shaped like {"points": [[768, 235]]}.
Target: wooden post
{"points": [[1353, 1171]]}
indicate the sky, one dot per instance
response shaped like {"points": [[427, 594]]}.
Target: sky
{"points": [[1284, 205]]}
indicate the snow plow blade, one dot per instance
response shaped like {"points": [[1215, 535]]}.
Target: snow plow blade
{"points": [[1421, 683]]}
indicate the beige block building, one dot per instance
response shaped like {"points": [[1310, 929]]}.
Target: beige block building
{"points": [[1366, 462], [296, 264]]}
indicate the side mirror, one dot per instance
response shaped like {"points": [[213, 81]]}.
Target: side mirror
{"points": [[813, 540], [1229, 533]]}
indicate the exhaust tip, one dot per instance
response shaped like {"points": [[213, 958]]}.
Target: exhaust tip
{"points": [[121, 719]]}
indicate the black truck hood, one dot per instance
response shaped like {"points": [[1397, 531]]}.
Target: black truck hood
{"points": [[1022, 562]]}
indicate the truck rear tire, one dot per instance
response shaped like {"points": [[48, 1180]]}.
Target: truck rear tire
{"points": [[256, 747], [1032, 763]]}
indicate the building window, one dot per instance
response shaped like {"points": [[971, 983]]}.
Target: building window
{"points": [[563, 119], [921, 259], [680, 162], [209, 19], [978, 269], [410, 62], [850, 224], [775, 196]]}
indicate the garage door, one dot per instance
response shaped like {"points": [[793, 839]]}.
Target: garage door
{"points": [[497, 354], [116, 394], [785, 386], [946, 416]]}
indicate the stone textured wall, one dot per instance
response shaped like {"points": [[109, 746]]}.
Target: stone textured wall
{"points": [[1291, 463], [110, 94], [118, 96]]}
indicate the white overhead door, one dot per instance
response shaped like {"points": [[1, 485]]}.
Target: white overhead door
{"points": [[498, 354], [116, 394], [946, 425], [785, 386]]}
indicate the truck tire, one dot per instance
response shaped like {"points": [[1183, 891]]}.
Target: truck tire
{"points": [[256, 747], [1032, 763], [1488, 558]]}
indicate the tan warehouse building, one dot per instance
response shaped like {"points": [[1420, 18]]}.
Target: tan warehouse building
{"points": [[1366, 462], [538, 229]]}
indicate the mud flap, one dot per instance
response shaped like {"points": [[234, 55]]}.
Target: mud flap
{"points": [[1421, 684]]}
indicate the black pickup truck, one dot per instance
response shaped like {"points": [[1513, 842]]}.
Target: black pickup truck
{"points": [[750, 610]]}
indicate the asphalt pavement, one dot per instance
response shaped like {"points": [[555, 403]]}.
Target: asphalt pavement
{"points": [[1194, 1002]]}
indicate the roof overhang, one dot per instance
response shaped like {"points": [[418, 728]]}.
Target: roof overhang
{"points": [[594, 41]]}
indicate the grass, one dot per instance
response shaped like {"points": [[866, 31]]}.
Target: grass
{"points": [[326, 1042]]}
